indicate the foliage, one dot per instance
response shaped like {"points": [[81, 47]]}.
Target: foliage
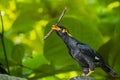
{"points": [[93, 22]]}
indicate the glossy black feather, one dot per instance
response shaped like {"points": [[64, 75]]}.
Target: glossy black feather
{"points": [[88, 58]]}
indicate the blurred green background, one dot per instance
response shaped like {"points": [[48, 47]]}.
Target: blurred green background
{"points": [[94, 22]]}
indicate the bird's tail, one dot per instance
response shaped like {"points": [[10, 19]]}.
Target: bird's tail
{"points": [[108, 70]]}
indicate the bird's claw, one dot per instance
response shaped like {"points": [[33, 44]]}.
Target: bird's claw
{"points": [[90, 72]]}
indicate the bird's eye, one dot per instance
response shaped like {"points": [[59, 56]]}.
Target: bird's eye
{"points": [[65, 31]]}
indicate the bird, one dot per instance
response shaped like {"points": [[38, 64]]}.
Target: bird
{"points": [[87, 57]]}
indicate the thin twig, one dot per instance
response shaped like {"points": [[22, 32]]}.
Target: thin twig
{"points": [[60, 18], [47, 34], [3, 44]]}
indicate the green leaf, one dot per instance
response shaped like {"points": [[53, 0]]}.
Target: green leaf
{"points": [[25, 21], [18, 53], [48, 70], [35, 62]]}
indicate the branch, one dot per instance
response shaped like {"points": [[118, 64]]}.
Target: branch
{"points": [[7, 77], [82, 78], [60, 18], [3, 43]]}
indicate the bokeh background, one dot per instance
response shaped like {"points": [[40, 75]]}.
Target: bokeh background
{"points": [[94, 22]]}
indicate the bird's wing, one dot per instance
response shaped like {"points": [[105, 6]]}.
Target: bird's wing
{"points": [[87, 51]]}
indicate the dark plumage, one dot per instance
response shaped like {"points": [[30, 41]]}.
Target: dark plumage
{"points": [[82, 53]]}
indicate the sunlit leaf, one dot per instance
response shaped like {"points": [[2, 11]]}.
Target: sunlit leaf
{"points": [[18, 52]]}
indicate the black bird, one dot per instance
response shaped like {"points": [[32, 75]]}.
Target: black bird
{"points": [[88, 58]]}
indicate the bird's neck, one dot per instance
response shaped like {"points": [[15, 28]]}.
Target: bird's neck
{"points": [[69, 41], [65, 38]]}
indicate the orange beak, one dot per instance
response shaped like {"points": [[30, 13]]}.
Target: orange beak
{"points": [[55, 28]]}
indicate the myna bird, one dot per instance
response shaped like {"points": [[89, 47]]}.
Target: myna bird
{"points": [[88, 58]]}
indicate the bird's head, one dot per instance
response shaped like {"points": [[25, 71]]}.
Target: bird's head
{"points": [[62, 31]]}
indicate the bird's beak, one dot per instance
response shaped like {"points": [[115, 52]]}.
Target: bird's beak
{"points": [[56, 28]]}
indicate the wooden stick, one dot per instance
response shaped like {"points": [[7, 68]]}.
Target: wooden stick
{"points": [[47, 34], [82, 78], [60, 18]]}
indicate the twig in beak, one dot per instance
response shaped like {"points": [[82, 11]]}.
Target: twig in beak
{"points": [[60, 18], [47, 34]]}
